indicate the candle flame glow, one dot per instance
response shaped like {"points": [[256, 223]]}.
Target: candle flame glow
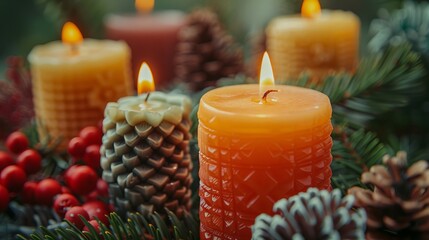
{"points": [[266, 77], [145, 6], [71, 34], [145, 80], [310, 8]]}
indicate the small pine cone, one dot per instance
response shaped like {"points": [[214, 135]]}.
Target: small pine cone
{"points": [[398, 205], [312, 215], [205, 52]]}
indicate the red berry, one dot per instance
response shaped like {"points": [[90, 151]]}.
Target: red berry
{"points": [[97, 209], [92, 157], [13, 178], [5, 160], [4, 198], [91, 135], [63, 203], [82, 180], [69, 172], [29, 160], [76, 147], [17, 142], [92, 196], [102, 188], [65, 189], [46, 190], [28, 193], [73, 213], [93, 223]]}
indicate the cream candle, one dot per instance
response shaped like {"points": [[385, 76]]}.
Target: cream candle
{"points": [[316, 42], [73, 81], [256, 150], [145, 151], [151, 37]]}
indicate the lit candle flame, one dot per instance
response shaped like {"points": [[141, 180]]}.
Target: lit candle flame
{"points": [[310, 8], [266, 77], [145, 80], [71, 34], [145, 6]]}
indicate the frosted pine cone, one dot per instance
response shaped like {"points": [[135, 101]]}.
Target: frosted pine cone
{"points": [[312, 215]]}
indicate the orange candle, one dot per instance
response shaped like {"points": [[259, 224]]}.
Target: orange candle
{"points": [[259, 144]]}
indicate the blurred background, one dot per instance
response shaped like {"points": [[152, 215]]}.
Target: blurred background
{"points": [[26, 23]]}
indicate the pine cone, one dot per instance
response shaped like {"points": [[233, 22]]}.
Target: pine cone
{"points": [[147, 166], [398, 205], [205, 52], [312, 215]]}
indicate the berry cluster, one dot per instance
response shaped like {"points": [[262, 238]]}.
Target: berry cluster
{"points": [[86, 147], [83, 180], [79, 190], [16, 165]]}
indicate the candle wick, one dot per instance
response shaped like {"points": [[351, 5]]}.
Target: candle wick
{"points": [[74, 49], [264, 97], [147, 97]]}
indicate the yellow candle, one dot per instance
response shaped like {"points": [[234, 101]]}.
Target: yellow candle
{"points": [[255, 151], [73, 80], [315, 42]]}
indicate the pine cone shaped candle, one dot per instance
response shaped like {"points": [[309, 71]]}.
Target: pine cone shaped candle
{"points": [[398, 205], [145, 153], [312, 215], [205, 52]]}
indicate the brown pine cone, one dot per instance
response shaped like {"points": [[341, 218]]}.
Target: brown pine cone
{"points": [[205, 52], [397, 208]]}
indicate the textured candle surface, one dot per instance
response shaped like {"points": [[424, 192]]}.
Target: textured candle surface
{"points": [[145, 153], [319, 45], [254, 153], [71, 89]]}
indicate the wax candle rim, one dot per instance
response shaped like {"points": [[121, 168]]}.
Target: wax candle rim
{"points": [[241, 116], [165, 18], [56, 52]]}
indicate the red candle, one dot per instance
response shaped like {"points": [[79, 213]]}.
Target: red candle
{"points": [[151, 37]]}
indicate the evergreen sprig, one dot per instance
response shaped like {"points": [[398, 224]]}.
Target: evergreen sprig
{"points": [[353, 153], [408, 24], [136, 227], [86, 14], [384, 81]]}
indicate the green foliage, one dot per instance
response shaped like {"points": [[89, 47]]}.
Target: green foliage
{"points": [[408, 24], [384, 81], [353, 153], [136, 227], [86, 14]]}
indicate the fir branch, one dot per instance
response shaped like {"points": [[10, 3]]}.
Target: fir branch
{"points": [[86, 14], [136, 227], [383, 82], [353, 153], [408, 24]]}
